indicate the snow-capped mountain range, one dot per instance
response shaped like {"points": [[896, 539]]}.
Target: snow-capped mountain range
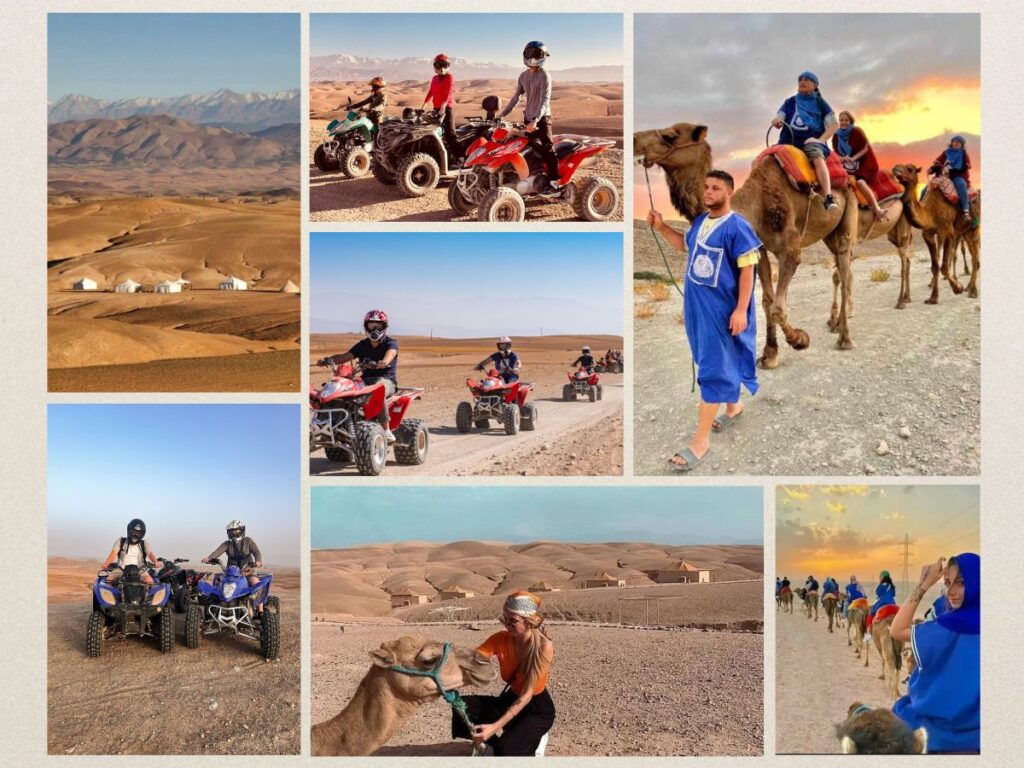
{"points": [[345, 67], [224, 107]]}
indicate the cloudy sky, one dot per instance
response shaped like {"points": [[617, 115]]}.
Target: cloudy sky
{"points": [[911, 80], [836, 530]]}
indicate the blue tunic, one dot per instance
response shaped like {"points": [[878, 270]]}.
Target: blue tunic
{"points": [[807, 116], [886, 594], [853, 591], [718, 249]]}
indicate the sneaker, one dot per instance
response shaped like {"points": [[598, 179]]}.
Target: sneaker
{"points": [[830, 202], [389, 436], [867, 638], [550, 188]]}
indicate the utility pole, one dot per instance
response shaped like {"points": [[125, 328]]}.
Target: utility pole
{"points": [[905, 556]]}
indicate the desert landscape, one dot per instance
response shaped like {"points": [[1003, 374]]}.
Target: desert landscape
{"points": [[571, 438], [586, 108], [905, 401], [626, 681], [221, 698]]}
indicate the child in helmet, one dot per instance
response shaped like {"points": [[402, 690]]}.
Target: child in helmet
{"points": [[585, 359], [441, 96], [535, 84], [376, 101], [505, 361], [242, 551], [130, 549], [378, 358]]}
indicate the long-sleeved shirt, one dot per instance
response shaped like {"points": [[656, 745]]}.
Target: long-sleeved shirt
{"points": [[376, 101], [536, 85], [441, 91], [240, 553]]}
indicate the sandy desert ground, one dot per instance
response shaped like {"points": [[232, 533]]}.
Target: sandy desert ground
{"points": [[571, 438], [912, 382], [221, 698], [201, 339], [590, 109]]}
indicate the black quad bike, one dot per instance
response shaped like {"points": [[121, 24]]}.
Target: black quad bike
{"points": [[182, 581]]}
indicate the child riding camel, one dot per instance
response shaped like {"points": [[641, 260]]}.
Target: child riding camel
{"points": [[130, 549], [505, 361], [858, 157], [810, 124]]}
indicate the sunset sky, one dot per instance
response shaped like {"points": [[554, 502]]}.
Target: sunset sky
{"points": [[911, 81], [838, 530]]}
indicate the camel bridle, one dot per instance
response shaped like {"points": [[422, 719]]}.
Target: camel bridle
{"points": [[672, 147]]}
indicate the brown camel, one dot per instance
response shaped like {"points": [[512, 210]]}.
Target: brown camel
{"points": [[810, 601], [386, 698], [785, 601], [941, 225], [890, 650], [831, 604], [869, 731], [856, 618], [785, 219]]}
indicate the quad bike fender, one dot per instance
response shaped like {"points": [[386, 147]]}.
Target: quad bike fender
{"points": [[568, 166], [517, 161], [594, 379], [399, 405], [512, 393], [371, 409], [523, 390]]}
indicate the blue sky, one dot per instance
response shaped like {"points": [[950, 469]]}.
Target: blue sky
{"points": [[121, 55], [574, 39], [347, 517], [467, 285], [186, 470]]}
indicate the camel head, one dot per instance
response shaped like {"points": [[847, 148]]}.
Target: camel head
{"points": [[879, 732], [907, 174], [463, 667], [681, 150]]}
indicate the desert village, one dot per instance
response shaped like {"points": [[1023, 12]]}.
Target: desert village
{"points": [[128, 285]]}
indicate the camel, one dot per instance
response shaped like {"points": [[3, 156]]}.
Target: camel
{"points": [[784, 601], [785, 219], [386, 698], [891, 652], [941, 225], [810, 599], [856, 618], [869, 731], [831, 604]]}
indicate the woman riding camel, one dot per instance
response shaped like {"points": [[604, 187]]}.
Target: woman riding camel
{"points": [[944, 691], [955, 163], [858, 158], [514, 722], [853, 592], [886, 594]]}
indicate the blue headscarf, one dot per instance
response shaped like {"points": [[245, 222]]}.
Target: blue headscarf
{"points": [[843, 139], [808, 75], [955, 157], [966, 619]]}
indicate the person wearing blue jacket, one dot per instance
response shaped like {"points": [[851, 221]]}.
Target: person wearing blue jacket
{"points": [[809, 124]]}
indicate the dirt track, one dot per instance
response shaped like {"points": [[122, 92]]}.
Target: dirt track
{"points": [[913, 380], [817, 677], [221, 698], [617, 691]]}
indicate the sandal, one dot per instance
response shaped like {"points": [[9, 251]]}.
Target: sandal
{"points": [[723, 422], [689, 457]]}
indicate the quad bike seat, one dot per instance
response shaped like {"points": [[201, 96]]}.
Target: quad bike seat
{"points": [[564, 148]]}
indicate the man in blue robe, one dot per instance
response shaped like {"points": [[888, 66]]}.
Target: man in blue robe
{"points": [[810, 124], [717, 310]]}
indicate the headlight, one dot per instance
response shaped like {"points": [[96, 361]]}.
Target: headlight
{"points": [[330, 388], [229, 589], [159, 595], [107, 596]]}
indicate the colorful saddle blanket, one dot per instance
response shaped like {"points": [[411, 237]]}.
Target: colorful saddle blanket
{"points": [[860, 604], [798, 168], [829, 596], [883, 613], [946, 186], [885, 187]]}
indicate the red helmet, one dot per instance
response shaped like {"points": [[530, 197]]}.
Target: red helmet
{"points": [[378, 82], [375, 316], [442, 61]]}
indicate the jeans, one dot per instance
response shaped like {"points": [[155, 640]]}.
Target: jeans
{"points": [[961, 189]]}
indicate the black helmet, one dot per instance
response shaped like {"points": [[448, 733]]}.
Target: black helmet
{"points": [[136, 531], [535, 54]]}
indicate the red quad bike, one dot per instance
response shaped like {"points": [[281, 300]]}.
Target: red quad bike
{"points": [[494, 399], [501, 169], [583, 383], [343, 421]]}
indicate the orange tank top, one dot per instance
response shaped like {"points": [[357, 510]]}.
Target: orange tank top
{"points": [[502, 645]]}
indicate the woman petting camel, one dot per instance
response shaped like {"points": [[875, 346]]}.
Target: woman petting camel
{"points": [[858, 158], [514, 722], [944, 691]]}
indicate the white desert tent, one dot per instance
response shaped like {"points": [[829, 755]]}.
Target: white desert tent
{"points": [[84, 284], [234, 284], [128, 286], [167, 286], [289, 287], [183, 282]]}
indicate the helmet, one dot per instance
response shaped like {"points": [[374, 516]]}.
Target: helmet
{"points": [[504, 343], [375, 316], [586, 350], [535, 53], [441, 61], [378, 82], [235, 529], [136, 531]]}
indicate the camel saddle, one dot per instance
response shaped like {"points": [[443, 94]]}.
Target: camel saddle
{"points": [[885, 188], [830, 596], [946, 186], [860, 604], [798, 168]]}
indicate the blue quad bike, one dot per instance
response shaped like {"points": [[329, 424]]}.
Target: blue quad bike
{"points": [[347, 145], [227, 604], [129, 608]]}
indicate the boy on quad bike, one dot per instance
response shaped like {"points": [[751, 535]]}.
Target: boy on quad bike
{"points": [[375, 102], [505, 361], [441, 96], [242, 552], [585, 359], [130, 549], [378, 357], [535, 84]]}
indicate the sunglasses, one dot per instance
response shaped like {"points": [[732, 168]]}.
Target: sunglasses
{"points": [[375, 326], [511, 621]]}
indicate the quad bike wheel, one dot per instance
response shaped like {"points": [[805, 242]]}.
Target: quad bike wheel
{"points": [[458, 201], [592, 393], [371, 448], [274, 603], [600, 391], [510, 417], [502, 204], [334, 453], [383, 175], [411, 442], [596, 199], [323, 162], [464, 417], [165, 631], [181, 600], [567, 392], [193, 625], [355, 162], [270, 635], [528, 418], [482, 423], [418, 174], [94, 634]]}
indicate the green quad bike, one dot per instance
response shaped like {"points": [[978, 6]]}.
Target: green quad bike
{"points": [[348, 144]]}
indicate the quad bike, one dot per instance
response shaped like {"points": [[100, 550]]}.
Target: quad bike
{"points": [[182, 581], [228, 604], [607, 365], [412, 153], [348, 144], [583, 382], [129, 608], [501, 169], [343, 421], [494, 399]]}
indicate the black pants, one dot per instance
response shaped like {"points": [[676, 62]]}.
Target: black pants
{"points": [[540, 140], [522, 735], [451, 141]]}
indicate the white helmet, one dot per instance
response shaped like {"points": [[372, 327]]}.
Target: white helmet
{"points": [[504, 343], [586, 350], [235, 529]]}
